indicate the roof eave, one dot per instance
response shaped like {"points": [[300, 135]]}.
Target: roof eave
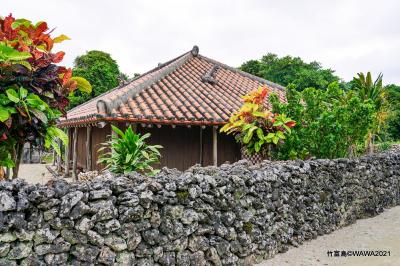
{"points": [[110, 119]]}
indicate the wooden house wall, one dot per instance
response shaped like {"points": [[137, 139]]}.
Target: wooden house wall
{"points": [[99, 135], [181, 145], [228, 149], [81, 148]]}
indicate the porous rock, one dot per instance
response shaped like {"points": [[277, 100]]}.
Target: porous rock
{"points": [[234, 214]]}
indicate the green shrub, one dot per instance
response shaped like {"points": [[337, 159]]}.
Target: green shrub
{"points": [[255, 127], [331, 123], [386, 145], [128, 152]]}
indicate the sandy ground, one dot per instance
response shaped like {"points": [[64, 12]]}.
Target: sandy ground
{"points": [[35, 173], [378, 233]]}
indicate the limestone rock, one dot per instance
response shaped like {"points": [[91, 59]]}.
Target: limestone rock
{"points": [[69, 201], [7, 201], [115, 243], [106, 256], [4, 249], [20, 250]]}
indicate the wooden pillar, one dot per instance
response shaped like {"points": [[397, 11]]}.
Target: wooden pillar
{"points": [[55, 157], [75, 154], [201, 147], [59, 158], [113, 134], [134, 127], [67, 151], [215, 146], [89, 148]]}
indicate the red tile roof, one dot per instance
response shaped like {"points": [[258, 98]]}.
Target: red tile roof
{"points": [[190, 89]]}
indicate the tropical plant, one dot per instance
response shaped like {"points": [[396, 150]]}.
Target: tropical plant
{"points": [[331, 123], [33, 89], [290, 70], [393, 122], [101, 70], [368, 89], [127, 152], [256, 128], [375, 92]]}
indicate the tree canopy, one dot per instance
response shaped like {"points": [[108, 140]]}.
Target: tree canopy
{"points": [[290, 70], [330, 123], [101, 70], [393, 98]]}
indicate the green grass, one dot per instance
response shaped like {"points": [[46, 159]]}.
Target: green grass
{"points": [[386, 145], [47, 158]]}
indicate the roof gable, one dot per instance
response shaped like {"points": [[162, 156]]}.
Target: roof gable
{"points": [[190, 89]]}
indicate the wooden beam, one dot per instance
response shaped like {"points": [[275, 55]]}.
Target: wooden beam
{"points": [[201, 146], [75, 154], [215, 146], [89, 148], [67, 156]]}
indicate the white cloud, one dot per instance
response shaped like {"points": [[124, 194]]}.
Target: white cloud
{"points": [[348, 36]]}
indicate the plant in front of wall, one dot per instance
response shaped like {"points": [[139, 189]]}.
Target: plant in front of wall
{"points": [[33, 88], [255, 127], [127, 152]]}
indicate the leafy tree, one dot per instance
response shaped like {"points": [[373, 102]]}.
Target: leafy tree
{"points": [[33, 89], [290, 70], [393, 122], [331, 123], [100, 70], [255, 127], [376, 93], [128, 151]]}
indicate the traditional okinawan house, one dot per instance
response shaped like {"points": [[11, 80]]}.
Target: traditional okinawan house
{"points": [[181, 103]]}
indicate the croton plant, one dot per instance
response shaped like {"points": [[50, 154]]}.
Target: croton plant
{"points": [[33, 88], [255, 127]]}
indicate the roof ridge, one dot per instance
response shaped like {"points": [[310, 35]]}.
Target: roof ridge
{"points": [[261, 80], [194, 52], [107, 105]]}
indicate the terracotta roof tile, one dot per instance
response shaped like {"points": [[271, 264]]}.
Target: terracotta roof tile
{"points": [[190, 89]]}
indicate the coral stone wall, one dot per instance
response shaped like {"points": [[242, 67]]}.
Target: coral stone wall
{"points": [[231, 215]]}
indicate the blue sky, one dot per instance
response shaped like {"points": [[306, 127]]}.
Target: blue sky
{"points": [[348, 36]]}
